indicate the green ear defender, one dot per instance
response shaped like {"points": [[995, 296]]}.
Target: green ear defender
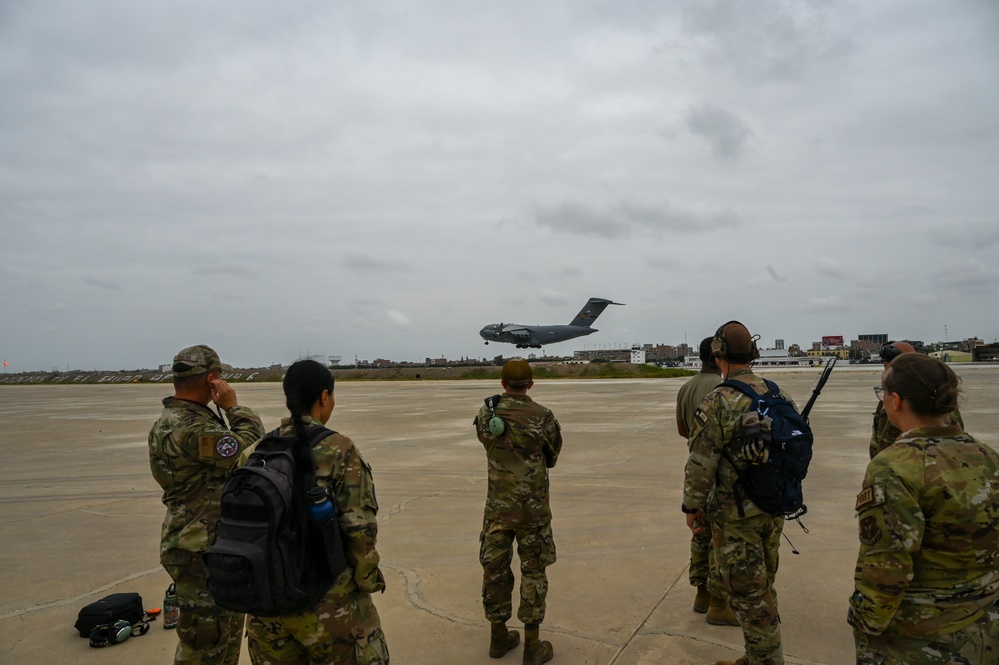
{"points": [[497, 427]]}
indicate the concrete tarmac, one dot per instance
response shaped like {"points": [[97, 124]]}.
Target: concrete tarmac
{"points": [[81, 517]]}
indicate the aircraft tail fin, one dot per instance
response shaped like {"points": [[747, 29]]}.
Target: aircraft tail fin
{"points": [[591, 310]]}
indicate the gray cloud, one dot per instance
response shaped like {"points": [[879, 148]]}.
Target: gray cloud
{"points": [[623, 219], [472, 162], [105, 284], [725, 132]]}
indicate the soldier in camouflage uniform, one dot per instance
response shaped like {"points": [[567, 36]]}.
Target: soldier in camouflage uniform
{"points": [[522, 441], [688, 398], [344, 627], [883, 433], [191, 449], [745, 540], [927, 576]]}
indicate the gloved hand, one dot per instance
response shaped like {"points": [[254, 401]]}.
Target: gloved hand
{"points": [[755, 448]]}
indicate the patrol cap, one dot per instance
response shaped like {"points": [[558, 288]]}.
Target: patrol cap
{"points": [[516, 373], [707, 358], [196, 360]]}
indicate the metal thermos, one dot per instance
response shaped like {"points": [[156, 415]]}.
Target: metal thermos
{"points": [[171, 613]]}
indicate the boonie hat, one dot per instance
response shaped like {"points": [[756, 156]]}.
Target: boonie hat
{"points": [[196, 360], [516, 373]]}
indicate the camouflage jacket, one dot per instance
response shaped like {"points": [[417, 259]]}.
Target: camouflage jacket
{"points": [[929, 535], [689, 397], [710, 480], [347, 477], [883, 433], [190, 452], [519, 460]]}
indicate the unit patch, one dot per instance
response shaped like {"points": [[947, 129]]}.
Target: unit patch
{"points": [[870, 530], [218, 446], [700, 417], [227, 446]]}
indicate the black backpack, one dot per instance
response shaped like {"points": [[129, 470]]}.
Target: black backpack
{"points": [[777, 443], [268, 559]]}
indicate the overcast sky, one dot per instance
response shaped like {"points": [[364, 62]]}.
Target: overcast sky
{"points": [[382, 179]]}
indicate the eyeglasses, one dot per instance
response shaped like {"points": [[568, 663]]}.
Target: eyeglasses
{"points": [[880, 392]]}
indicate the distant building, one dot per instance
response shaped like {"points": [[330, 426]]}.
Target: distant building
{"points": [[842, 354], [637, 354], [608, 355], [985, 353], [877, 338], [779, 344]]}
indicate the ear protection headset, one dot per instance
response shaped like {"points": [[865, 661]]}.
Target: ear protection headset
{"points": [[497, 427], [107, 634], [719, 347], [889, 352]]}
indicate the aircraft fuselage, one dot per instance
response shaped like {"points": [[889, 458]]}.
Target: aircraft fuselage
{"points": [[535, 337]]}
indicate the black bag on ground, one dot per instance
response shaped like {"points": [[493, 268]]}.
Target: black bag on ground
{"points": [[107, 610], [268, 559], [777, 443]]}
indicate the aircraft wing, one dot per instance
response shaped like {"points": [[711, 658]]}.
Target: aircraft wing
{"points": [[520, 332]]}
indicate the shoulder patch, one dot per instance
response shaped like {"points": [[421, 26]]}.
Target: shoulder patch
{"points": [[870, 497], [870, 530], [700, 416], [217, 446], [227, 446]]}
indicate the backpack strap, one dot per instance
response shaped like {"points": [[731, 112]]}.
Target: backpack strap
{"points": [[749, 392], [317, 433], [745, 389]]}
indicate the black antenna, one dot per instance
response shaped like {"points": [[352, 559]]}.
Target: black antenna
{"points": [[818, 386]]}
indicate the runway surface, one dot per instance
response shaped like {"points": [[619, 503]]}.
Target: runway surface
{"points": [[81, 517]]}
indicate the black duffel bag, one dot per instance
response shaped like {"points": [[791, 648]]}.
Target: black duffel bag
{"points": [[116, 607]]}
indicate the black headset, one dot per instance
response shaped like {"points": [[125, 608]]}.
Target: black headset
{"points": [[889, 352], [719, 347]]}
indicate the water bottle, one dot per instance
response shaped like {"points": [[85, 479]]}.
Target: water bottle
{"points": [[171, 613], [320, 506]]}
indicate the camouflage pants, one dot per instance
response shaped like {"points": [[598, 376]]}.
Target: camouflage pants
{"points": [[209, 635], [340, 630], [746, 557], [700, 556], [977, 644], [536, 550]]}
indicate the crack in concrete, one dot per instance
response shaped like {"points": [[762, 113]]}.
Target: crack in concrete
{"points": [[400, 507], [75, 599]]}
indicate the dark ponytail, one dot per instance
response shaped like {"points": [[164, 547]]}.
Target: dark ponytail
{"points": [[929, 385], [303, 385]]}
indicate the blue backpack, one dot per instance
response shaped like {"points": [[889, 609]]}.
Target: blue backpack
{"points": [[776, 449]]}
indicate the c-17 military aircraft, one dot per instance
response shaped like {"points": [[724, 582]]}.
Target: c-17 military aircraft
{"points": [[536, 336]]}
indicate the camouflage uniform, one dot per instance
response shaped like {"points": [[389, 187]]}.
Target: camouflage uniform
{"points": [[927, 576], [344, 627], [688, 399], [517, 507], [745, 547], [883, 433], [190, 452]]}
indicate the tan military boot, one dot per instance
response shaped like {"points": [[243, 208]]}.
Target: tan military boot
{"points": [[702, 599], [741, 661], [536, 651], [720, 614], [502, 640]]}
